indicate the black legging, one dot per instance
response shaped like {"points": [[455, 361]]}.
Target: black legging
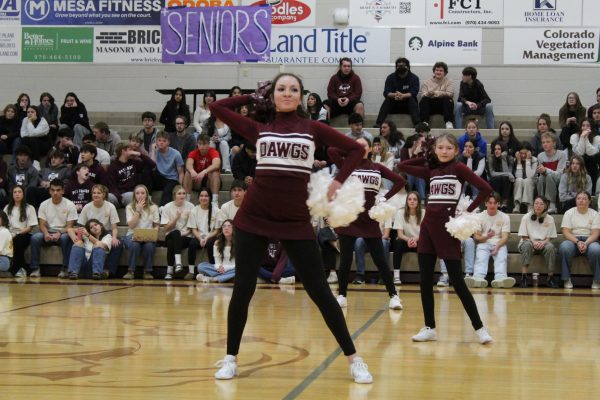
{"points": [[426, 267], [20, 243], [175, 243], [401, 247], [249, 252], [375, 247]]}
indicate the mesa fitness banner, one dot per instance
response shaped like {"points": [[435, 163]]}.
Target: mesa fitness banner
{"points": [[550, 45]]}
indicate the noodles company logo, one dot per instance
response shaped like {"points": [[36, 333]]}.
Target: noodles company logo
{"points": [[286, 11]]}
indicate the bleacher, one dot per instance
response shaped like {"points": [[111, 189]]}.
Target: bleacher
{"points": [[127, 123]]}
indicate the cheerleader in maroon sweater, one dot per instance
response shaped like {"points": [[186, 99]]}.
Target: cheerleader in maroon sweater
{"points": [[370, 174], [275, 207], [446, 179]]}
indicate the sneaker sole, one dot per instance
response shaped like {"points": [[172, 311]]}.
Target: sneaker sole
{"points": [[423, 340]]}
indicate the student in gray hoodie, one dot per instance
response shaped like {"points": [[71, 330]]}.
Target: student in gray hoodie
{"points": [[21, 172], [56, 170]]}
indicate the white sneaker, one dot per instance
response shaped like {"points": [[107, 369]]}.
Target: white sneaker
{"points": [[332, 278], [449, 125], [444, 281], [168, 277], [395, 303], [596, 285], [360, 371], [484, 336], [35, 274], [568, 284], [290, 280], [258, 279], [505, 283], [227, 368], [178, 268], [342, 301], [472, 282], [426, 334], [21, 273], [397, 280]]}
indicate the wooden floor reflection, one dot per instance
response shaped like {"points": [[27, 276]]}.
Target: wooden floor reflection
{"points": [[156, 340]]}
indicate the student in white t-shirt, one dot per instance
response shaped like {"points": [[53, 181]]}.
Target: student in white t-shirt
{"points": [[408, 226], [491, 241], [90, 246], [202, 223], [105, 212], [6, 247], [580, 228], [21, 220], [536, 230], [174, 218], [223, 269], [56, 215], [140, 213]]}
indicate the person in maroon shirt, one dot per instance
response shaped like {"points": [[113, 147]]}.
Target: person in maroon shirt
{"points": [[202, 166], [446, 178], [79, 187], [371, 175], [123, 174], [344, 91], [275, 207]]}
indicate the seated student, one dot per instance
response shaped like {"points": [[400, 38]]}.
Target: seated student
{"points": [[220, 135], [437, 95], [590, 110], [580, 228], [169, 167], [22, 104], [223, 268], [315, 109], [344, 91], [174, 218], [6, 247], [551, 164], [400, 93], [244, 164], [140, 213], [360, 249], [49, 111], [182, 140], [21, 220], [570, 117], [491, 242], [22, 172], [136, 143], [506, 136], [537, 229], [102, 210], [394, 138], [124, 174], [586, 143], [525, 178], [276, 267], [105, 138], [34, 133], [203, 166], [237, 141], [56, 215], [91, 244], [472, 134], [500, 169], [476, 162], [87, 157], [408, 226], [574, 180], [55, 170], [467, 248], [66, 147], [149, 131], [237, 191], [473, 99], [79, 188], [9, 129], [202, 223], [73, 114], [543, 126], [202, 112], [174, 107], [355, 122], [413, 148], [3, 182], [100, 155]]}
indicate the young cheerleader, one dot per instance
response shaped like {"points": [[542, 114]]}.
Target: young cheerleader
{"points": [[408, 226], [275, 207], [371, 175], [446, 177]]}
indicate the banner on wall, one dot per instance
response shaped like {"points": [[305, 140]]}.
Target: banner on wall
{"points": [[550, 45], [452, 13], [328, 45], [91, 12], [542, 12], [289, 12], [10, 12], [57, 45], [136, 45], [215, 34], [391, 13], [10, 44], [201, 3], [591, 12], [453, 46]]}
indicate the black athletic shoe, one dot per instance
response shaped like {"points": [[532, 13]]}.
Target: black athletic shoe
{"points": [[524, 281], [551, 283], [358, 280]]}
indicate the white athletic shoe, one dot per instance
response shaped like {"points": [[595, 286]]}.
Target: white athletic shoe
{"points": [[395, 303], [227, 368], [397, 280], [568, 284], [332, 278], [449, 125], [35, 274], [426, 334], [290, 280], [21, 273], [360, 371], [596, 285], [505, 283], [484, 336], [444, 281], [168, 276], [342, 301], [473, 282]]}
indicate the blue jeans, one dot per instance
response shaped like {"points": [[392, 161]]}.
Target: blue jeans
{"points": [[77, 259], [288, 270], [37, 241], [112, 261], [468, 248], [209, 269], [567, 250], [135, 248], [417, 184], [360, 248], [4, 263], [483, 253], [462, 109]]}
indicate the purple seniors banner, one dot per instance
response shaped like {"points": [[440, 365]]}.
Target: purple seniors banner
{"points": [[215, 34]]}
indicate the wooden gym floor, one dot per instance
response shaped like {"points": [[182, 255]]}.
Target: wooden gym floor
{"points": [[157, 340]]}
